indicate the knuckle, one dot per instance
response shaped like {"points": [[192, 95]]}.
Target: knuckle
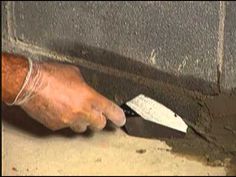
{"points": [[102, 123], [79, 126], [54, 126], [78, 129], [99, 125]]}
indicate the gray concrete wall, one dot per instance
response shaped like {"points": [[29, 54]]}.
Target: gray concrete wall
{"points": [[187, 45]]}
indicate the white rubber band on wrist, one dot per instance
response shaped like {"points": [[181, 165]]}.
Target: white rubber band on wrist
{"points": [[24, 84]]}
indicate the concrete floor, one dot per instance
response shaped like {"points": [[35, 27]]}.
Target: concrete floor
{"points": [[26, 151]]}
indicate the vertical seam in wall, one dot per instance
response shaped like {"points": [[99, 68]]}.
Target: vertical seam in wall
{"points": [[220, 46], [13, 20], [10, 21], [8, 4]]}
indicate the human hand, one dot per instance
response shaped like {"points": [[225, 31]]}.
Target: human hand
{"points": [[57, 96]]}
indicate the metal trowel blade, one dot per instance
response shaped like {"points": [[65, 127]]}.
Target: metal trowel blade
{"points": [[151, 119]]}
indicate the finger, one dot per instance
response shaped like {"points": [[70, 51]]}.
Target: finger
{"points": [[114, 113], [79, 126], [111, 111], [98, 120]]}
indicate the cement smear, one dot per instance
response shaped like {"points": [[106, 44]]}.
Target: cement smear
{"points": [[213, 137], [211, 118]]}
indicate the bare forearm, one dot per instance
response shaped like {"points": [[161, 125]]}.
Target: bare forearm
{"points": [[14, 71]]}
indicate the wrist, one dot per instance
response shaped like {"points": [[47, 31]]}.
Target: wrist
{"points": [[14, 71], [30, 84]]}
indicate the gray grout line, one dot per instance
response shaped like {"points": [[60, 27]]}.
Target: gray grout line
{"points": [[9, 21], [13, 21], [220, 46], [104, 69]]}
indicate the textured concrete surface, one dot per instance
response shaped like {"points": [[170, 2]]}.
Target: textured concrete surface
{"points": [[30, 149], [229, 67], [176, 38]]}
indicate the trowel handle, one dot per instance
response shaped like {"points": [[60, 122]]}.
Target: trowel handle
{"points": [[128, 111]]}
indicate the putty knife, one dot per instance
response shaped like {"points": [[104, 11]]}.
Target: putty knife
{"points": [[148, 118]]}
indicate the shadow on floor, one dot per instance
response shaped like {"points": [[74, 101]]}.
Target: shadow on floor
{"points": [[19, 119]]}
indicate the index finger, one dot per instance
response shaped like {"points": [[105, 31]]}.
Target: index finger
{"points": [[111, 111], [114, 113]]}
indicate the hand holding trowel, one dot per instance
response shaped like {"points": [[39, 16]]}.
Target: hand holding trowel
{"points": [[56, 95]]}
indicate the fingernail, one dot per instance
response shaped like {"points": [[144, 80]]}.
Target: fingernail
{"points": [[123, 118]]}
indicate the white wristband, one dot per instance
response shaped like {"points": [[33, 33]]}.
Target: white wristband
{"points": [[24, 84]]}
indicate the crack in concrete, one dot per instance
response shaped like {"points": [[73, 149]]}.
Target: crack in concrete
{"points": [[104, 69], [112, 71]]}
